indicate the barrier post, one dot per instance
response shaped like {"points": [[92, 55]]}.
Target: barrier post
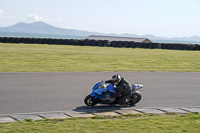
{"points": [[126, 44], [99, 43], [138, 45], [132, 44], [105, 43], [1, 39], [93, 43]]}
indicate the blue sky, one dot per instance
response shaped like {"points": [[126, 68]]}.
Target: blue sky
{"points": [[163, 18]]}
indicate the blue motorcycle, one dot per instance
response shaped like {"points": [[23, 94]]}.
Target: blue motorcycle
{"points": [[101, 93]]}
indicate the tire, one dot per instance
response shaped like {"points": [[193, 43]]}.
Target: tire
{"points": [[89, 101], [135, 98]]}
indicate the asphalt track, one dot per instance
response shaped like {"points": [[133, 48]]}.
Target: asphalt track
{"points": [[58, 91]]}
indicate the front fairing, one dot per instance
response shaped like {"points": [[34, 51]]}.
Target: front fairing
{"points": [[99, 91], [102, 87], [99, 88]]}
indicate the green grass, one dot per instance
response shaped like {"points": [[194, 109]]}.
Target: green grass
{"points": [[55, 58], [122, 124]]}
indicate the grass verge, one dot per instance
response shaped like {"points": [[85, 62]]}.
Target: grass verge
{"points": [[144, 123], [55, 58]]}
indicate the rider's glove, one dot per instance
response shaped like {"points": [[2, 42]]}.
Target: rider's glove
{"points": [[103, 82]]}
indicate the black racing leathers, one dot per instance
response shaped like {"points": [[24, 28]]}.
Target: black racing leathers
{"points": [[123, 90]]}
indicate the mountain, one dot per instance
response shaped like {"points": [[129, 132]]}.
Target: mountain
{"points": [[44, 28]]}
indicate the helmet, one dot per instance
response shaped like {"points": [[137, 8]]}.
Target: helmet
{"points": [[116, 78]]}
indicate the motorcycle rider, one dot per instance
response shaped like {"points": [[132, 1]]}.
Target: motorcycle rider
{"points": [[123, 88]]}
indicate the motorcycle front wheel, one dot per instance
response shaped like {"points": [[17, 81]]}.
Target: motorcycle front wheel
{"points": [[135, 98], [89, 101]]}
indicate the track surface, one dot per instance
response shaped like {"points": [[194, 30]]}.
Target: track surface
{"points": [[58, 91]]}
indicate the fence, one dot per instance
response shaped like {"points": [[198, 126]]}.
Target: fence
{"points": [[101, 43]]}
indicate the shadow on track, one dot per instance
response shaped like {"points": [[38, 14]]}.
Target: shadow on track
{"points": [[101, 108]]}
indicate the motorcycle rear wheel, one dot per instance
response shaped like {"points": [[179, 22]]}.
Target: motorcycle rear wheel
{"points": [[135, 98], [89, 101]]}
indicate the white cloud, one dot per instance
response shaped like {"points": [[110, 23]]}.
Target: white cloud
{"points": [[1, 12], [34, 17], [57, 19], [7, 18]]}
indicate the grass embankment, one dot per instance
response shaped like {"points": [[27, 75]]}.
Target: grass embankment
{"points": [[54, 58], [123, 124]]}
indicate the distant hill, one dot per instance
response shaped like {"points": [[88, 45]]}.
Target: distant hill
{"points": [[44, 28]]}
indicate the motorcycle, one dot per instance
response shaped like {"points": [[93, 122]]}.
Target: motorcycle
{"points": [[101, 93]]}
